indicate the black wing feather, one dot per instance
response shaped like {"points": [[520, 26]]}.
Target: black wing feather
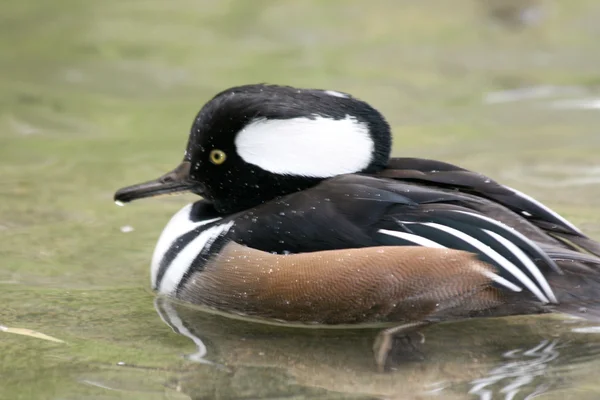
{"points": [[447, 176]]}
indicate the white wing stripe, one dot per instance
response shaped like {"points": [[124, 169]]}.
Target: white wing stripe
{"points": [[535, 271], [507, 265], [498, 279], [420, 240], [513, 231], [430, 243]]}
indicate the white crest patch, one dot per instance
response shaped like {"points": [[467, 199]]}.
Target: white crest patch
{"points": [[178, 225], [336, 94], [319, 147]]}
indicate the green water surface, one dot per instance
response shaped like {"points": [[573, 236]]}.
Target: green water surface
{"points": [[98, 95]]}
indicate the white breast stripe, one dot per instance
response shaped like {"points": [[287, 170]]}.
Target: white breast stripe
{"points": [[314, 147], [178, 225], [421, 241], [180, 265], [507, 265], [542, 206], [535, 271]]}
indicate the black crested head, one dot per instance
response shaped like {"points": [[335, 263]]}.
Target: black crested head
{"points": [[250, 144], [251, 123]]}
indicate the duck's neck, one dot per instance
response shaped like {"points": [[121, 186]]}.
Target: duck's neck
{"points": [[243, 195]]}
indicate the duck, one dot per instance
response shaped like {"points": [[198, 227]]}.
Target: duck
{"points": [[304, 218]]}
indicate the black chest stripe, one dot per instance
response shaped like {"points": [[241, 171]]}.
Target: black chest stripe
{"points": [[203, 256], [176, 247]]}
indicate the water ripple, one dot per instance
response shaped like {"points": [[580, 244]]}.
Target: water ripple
{"points": [[521, 368]]}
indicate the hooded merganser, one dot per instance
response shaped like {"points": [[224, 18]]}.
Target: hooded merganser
{"points": [[306, 219]]}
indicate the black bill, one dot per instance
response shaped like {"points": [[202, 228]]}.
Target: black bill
{"points": [[175, 181]]}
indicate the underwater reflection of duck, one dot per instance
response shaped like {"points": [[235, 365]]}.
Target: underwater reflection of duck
{"points": [[306, 220], [508, 358], [274, 361]]}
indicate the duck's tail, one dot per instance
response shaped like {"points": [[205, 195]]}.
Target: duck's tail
{"points": [[578, 288]]}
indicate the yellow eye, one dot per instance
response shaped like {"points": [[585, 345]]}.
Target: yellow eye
{"points": [[217, 157]]}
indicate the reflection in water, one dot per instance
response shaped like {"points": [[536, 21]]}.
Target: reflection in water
{"points": [[234, 356], [520, 370], [587, 329], [238, 359], [169, 316]]}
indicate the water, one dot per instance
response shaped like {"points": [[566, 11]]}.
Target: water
{"points": [[98, 95]]}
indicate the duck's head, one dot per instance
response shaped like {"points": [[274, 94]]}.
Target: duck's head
{"points": [[253, 143]]}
